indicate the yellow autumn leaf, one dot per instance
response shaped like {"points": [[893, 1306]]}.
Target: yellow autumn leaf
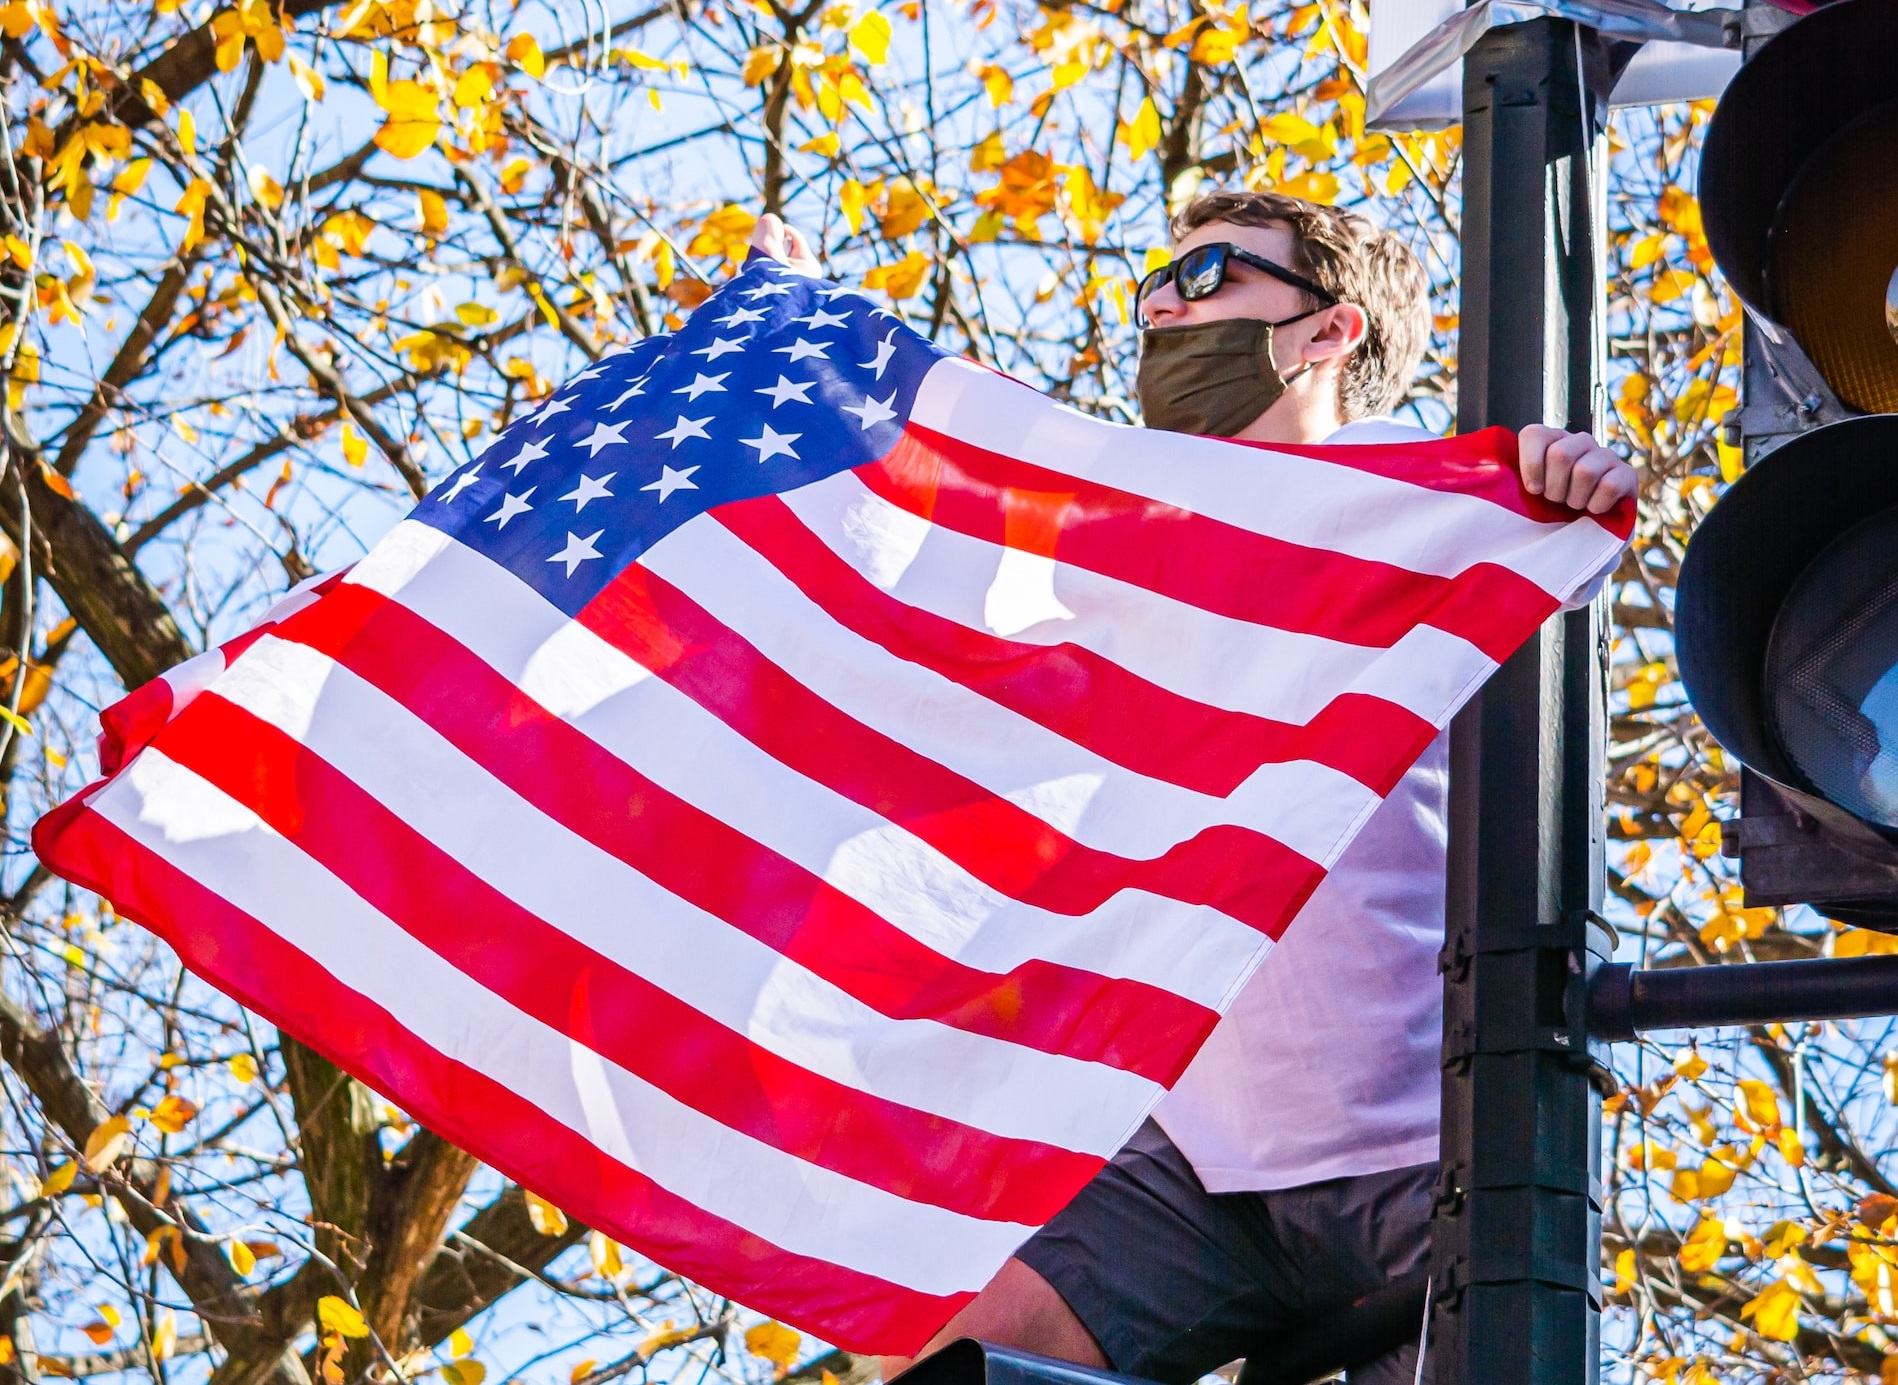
{"points": [[906, 207], [997, 83], [902, 279], [172, 1114], [432, 209], [1314, 185], [474, 87], [187, 131], [607, 1262], [761, 62], [266, 189], [309, 80], [1758, 1103], [1774, 1311], [773, 1342], [851, 199], [523, 50], [165, 1335], [1704, 1246], [460, 1343], [547, 1219], [1688, 1062], [870, 38], [243, 1259], [464, 1373], [476, 315], [131, 178], [1671, 284], [667, 1336], [581, 1370], [338, 1315], [1625, 1272], [1790, 1147], [725, 232], [1142, 133], [404, 139], [355, 446], [59, 1179], [108, 1140]]}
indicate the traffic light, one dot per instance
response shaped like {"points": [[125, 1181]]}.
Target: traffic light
{"points": [[1786, 615]]}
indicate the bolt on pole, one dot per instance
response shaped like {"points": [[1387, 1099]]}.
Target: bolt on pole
{"points": [[1516, 1291]]}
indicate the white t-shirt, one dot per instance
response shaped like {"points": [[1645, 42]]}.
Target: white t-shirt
{"points": [[1328, 1063]]}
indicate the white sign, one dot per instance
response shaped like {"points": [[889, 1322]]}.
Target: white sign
{"points": [[1662, 71]]}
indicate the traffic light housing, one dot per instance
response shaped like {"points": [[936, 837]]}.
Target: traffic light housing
{"points": [[1786, 614]]}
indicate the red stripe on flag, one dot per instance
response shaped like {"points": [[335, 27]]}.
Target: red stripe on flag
{"points": [[1482, 464], [569, 987], [1126, 1024], [1204, 562], [266, 974], [1080, 695], [1245, 874]]}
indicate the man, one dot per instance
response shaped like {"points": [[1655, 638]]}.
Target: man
{"points": [[1290, 1170]]}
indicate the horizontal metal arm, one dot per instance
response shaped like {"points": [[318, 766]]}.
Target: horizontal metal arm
{"points": [[1624, 1001]]}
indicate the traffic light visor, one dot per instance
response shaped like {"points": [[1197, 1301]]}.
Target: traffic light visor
{"points": [[1799, 192], [1786, 617]]}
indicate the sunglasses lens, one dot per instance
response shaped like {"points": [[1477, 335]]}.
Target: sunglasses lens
{"points": [[1200, 272]]}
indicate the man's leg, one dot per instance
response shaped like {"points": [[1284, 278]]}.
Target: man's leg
{"points": [[1018, 1309], [1145, 1273]]}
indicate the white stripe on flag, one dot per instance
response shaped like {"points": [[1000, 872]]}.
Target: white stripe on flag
{"points": [[1297, 499], [1307, 806], [1213, 659], [1190, 949], [715, 968], [793, 1204]]}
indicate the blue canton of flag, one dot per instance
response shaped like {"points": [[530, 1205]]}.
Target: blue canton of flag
{"points": [[777, 381]]}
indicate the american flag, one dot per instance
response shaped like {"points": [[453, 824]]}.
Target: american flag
{"points": [[800, 797]]}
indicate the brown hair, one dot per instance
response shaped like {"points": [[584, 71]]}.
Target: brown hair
{"points": [[1357, 263]]}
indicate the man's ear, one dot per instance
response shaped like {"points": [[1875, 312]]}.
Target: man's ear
{"points": [[1337, 332]]}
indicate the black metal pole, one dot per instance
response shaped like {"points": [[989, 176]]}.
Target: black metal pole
{"points": [[1516, 1288], [1624, 1001]]}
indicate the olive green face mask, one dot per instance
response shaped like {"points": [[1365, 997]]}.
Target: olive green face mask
{"points": [[1210, 378]]}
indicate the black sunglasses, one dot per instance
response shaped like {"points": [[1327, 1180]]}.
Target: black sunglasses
{"points": [[1201, 272]]}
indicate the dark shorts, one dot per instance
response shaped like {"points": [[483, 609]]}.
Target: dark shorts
{"points": [[1174, 1281]]}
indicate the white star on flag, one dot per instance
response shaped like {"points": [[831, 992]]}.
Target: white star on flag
{"points": [[686, 428], [772, 442], [670, 481], [785, 389], [820, 319], [511, 505], [873, 410], [740, 316], [724, 346], [704, 384], [801, 349], [531, 452], [577, 551], [589, 489], [550, 408], [603, 435], [462, 482], [632, 391], [590, 373], [886, 350], [768, 290]]}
